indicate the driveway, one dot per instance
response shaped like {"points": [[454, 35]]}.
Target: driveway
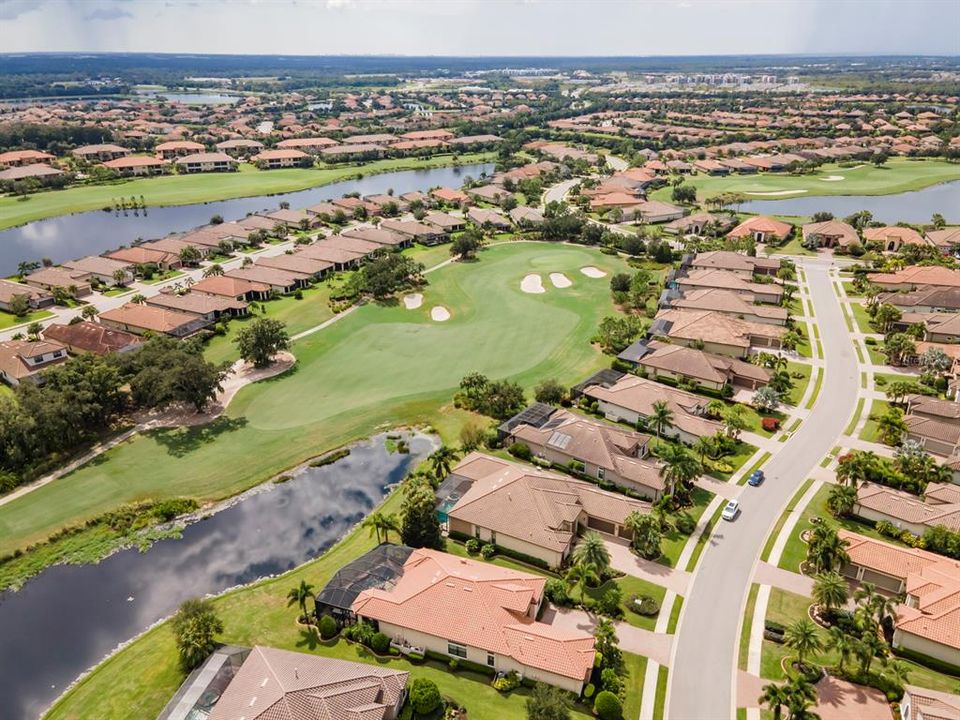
{"points": [[626, 562], [705, 661], [656, 646]]}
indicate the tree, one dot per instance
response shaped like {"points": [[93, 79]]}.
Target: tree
{"points": [[938, 221], [891, 426], [766, 399], [424, 696], [826, 551], [898, 347], [197, 381], [299, 595], [885, 316], [547, 702], [647, 534], [138, 299], [606, 643], [379, 522], [842, 643], [467, 244], [841, 500], [616, 332], [802, 638], [20, 305], [33, 330], [261, 340], [472, 436], [189, 255], [660, 417], [898, 390], [800, 696], [580, 576], [774, 697], [441, 460], [420, 526], [830, 591], [734, 421], [503, 400], [680, 469], [620, 282], [214, 270], [704, 446], [119, 277], [936, 361], [550, 391], [607, 706], [592, 552], [195, 627], [88, 312]]}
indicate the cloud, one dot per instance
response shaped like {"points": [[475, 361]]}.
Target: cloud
{"points": [[108, 14], [12, 9], [338, 4]]}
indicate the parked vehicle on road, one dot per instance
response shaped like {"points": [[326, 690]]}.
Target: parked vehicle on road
{"points": [[731, 510]]}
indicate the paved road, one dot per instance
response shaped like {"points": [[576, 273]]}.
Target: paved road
{"points": [[703, 674]]}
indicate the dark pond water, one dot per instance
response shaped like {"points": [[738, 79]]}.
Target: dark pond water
{"points": [[912, 207], [69, 617], [68, 237]]}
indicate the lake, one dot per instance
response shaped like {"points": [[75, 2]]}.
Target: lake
{"points": [[195, 98], [913, 207], [70, 616], [68, 237]]}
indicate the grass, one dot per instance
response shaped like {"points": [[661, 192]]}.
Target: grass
{"points": [[803, 347], [851, 426], [704, 536], [636, 666], [673, 541], [876, 357], [204, 187], [791, 506], [379, 367], [816, 390], [799, 384], [743, 453], [881, 380], [898, 175], [9, 320], [660, 703], [871, 429], [429, 255], [754, 467], [145, 674], [631, 585], [675, 615], [163, 277], [862, 318], [744, 654]]}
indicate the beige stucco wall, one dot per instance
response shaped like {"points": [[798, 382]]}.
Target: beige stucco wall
{"points": [[876, 516], [551, 557], [925, 646]]}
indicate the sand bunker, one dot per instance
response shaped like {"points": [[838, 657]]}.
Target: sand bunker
{"points": [[439, 314], [592, 272], [560, 280], [832, 178], [413, 301], [777, 193], [532, 283]]}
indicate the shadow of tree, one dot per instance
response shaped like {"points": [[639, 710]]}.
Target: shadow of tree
{"points": [[181, 441], [308, 639]]}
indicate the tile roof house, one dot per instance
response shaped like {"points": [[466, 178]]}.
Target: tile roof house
{"points": [[716, 332], [768, 292], [283, 281], [75, 282], [917, 276], [482, 216], [528, 510], [209, 307], [297, 263], [237, 288], [928, 622], [21, 172], [830, 234], [762, 229], [607, 452], [274, 684], [25, 359], [206, 162], [141, 319], [423, 234], [924, 300], [381, 236], [934, 423], [676, 362], [630, 399], [526, 216], [740, 264], [729, 302], [141, 255], [892, 237], [922, 704], [479, 612], [102, 152], [36, 298], [176, 148], [137, 165], [103, 268], [905, 510], [280, 158], [16, 158], [91, 337], [946, 240]]}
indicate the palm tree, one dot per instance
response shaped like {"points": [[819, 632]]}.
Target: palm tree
{"points": [[800, 696], [213, 271], [868, 647], [299, 595], [841, 500], [680, 469], [774, 697], [830, 591], [842, 643], [580, 576], [441, 460], [826, 552], [802, 638], [379, 522], [661, 416], [119, 277], [704, 446], [891, 426], [592, 552]]}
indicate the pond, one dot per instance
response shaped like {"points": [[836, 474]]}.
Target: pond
{"points": [[192, 98], [68, 237], [70, 616], [913, 207]]}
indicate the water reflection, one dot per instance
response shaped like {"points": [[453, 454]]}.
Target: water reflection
{"points": [[69, 617]]}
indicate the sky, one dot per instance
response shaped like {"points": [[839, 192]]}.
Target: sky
{"points": [[484, 27]]}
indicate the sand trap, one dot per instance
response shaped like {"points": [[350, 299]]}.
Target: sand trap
{"points": [[560, 280], [413, 301], [439, 314], [832, 178], [777, 193], [532, 283], [591, 272]]}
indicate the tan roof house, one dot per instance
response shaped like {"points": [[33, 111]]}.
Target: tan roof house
{"points": [[922, 704], [479, 612], [905, 510], [768, 292], [141, 255], [141, 319], [917, 276], [762, 229], [716, 332], [25, 359], [91, 337], [830, 234], [101, 152], [236, 288], [730, 302], [676, 362], [75, 282], [36, 298], [738, 263], [892, 237]]}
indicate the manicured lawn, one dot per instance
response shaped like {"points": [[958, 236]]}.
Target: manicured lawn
{"points": [[756, 466], [793, 246], [876, 357], [882, 380], [204, 187], [744, 654], [854, 419], [636, 668], [803, 347], [812, 400], [163, 277], [870, 430], [673, 541], [799, 384], [862, 318], [898, 175], [743, 453], [379, 367], [772, 537], [631, 585], [429, 256], [9, 320]]}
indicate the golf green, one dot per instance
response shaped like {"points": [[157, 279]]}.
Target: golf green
{"points": [[377, 367]]}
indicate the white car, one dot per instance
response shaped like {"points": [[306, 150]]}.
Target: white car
{"points": [[731, 510]]}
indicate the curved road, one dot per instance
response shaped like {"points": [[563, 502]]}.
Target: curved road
{"points": [[704, 668]]}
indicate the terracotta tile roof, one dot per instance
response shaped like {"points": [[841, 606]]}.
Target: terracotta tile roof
{"points": [[15, 353], [480, 605], [727, 260], [132, 161], [761, 223], [905, 235], [729, 302], [919, 275], [928, 704], [91, 337], [726, 280], [716, 327], [932, 429], [905, 507], [942, 493], [229, 286], [282, 685], [701, 365], [148, 317]]}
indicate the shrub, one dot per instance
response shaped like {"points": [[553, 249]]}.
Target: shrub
{"points": [[473, 546], [488, 551], [380, 643], [415, 657], [607, 706], [575, 466], [684, 523], [589, 690], [424, 696], [508, 682], [609, 602], [556, 592], [520, 451], [328, 627], [644, 605], [610, 680], [770, 424], [871, 341]]}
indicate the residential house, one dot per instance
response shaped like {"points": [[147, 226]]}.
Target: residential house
{"points": [[142, 255], [768, 292], [945, 240], [905, 510], [923, 704], [381, 236], [762, 229], [729, 302], [177, 148], [608, 453], [36, 298], [75, 282], [489, 193], [274, 159], [928, 621], [281, 281], [746, 266], [231, 287], [19, 158], [206, 162], [23, 172], [209, 307], [831, 234], [479, 612], [307, 145], [526, 217], [450, 196], [914, 277], [103, 269], [291, 219], [697, 224], [630, 399], [715, 332], [528, 510], [141, 319], [102, 152], [659, 361], [928, 299], [297, 263], [340, 258], [91, 337], [483, 217], [351, 244], [240, 147], [418, 232], [892, 237], [137, 165], [445, 222], [934, 424], [22, 360]]}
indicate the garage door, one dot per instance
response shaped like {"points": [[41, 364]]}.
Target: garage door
{"points": [[602, 525]]}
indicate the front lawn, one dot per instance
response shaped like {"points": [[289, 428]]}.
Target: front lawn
{"points": [[871, 429], [9, 320], [731, 463], [799, 384], [673, 541], [862, 318]]}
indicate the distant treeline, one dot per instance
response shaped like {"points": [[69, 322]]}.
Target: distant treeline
{"points": [[55, 139]]}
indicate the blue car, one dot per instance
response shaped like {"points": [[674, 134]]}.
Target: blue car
{"points": [[756, 478]]}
